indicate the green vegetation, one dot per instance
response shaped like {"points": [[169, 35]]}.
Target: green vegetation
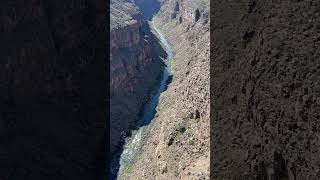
{"points": [[191, 141], [162, 29], [171, 64], [181, 127], [127, 171], [164, 170], [176, 173]]}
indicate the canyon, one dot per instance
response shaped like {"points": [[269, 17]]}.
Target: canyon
{"points": [[264, 92], [259, 86], [175, 144], [135, 71]]}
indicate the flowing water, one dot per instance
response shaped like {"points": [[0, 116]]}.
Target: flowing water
{"points": [[133, 145]]}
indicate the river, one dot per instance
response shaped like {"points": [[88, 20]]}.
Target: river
{"points": [[133, 144]]}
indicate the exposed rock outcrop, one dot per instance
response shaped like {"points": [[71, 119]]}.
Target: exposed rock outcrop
{"points": [[265, 86], [177, 144], [135, 68], [52, 90]]}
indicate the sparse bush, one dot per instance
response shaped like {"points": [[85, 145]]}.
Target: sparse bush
{"points": [[181, 128], [191, 141]]}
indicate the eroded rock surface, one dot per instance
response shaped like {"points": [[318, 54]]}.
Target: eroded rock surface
{"points": [[135, 68], [265, 87], [177, 143]]}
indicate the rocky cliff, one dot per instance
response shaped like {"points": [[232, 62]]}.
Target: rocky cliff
{"points": [[134, 68], [265, 88], [52, 89], [177, 144]]}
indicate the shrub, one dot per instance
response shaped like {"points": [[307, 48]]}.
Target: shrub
{"points": [[181, 128], [191, 141]]}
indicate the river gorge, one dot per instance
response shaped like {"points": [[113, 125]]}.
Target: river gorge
{"points": [[159, 89], [132, 146]]}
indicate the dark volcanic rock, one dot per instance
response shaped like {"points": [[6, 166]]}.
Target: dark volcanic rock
{"points": [[52, 90], [135, 68], [265, 80]]}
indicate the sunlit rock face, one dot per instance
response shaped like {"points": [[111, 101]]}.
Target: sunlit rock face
{"points": [[187, 11]]}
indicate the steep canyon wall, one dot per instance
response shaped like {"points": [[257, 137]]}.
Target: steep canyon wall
{"points": [[177, 145], [135, 68]]}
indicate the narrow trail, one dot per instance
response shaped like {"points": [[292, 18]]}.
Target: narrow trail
{"points": [[133, 146]]}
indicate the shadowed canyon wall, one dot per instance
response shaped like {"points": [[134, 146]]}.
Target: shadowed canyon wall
{"points": [[134, 68], [53, 89], [177, 143], [265, 86]]}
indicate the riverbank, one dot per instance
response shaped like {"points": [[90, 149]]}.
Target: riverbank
{"points": [[133, 144], [177, 143], [150, 86], [134, 69]]}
